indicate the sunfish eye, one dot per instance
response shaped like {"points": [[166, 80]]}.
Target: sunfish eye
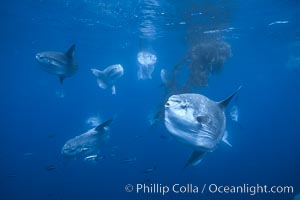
{"points": [[183, 106], [167, 104]]}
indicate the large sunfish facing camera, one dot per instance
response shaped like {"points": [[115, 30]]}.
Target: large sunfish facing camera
{"points": [[197, 122], [88, 142], [58, 63]]}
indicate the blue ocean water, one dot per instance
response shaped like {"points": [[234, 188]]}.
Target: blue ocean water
{"points": [[38, 115]]}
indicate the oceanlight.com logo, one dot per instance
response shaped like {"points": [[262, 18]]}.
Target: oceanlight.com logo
{"points": [[161, 189], [250, 189]]}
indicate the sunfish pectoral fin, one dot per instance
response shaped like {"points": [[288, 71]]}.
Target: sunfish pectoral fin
{"points": [[70, 52], [104, 124], [226, 101], [195, 158], [224, 139], [113, 89]]}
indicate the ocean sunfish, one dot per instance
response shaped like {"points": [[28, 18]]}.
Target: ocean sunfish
{"points": [[108, 77], [197, 122], [58, 63], [88, 142]]}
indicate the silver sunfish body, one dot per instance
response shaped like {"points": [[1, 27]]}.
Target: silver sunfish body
{"points": [[109, 76], [197, 122], [88, 142], [58, 63]]}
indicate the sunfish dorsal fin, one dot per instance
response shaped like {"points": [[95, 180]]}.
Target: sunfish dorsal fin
{"points": [[70, 52], [226, 101], [195, 158], [104, 124]]}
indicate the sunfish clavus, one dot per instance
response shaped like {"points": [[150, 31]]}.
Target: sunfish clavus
{"points": [[58, 63], [197, 122]]}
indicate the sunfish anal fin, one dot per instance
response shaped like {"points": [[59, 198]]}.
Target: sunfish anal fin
{"points": [[61, 79], [224, 139], [113, 89], [195, 158], [226, 101], [104, 124], [70, 52]]}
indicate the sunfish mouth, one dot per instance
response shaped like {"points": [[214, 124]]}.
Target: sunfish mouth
{"points": [[38, 56], [206, 133]]}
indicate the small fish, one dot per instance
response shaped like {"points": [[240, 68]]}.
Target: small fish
{"points": [[85, 149], [146, 171], [50, 167], [278, 22], [109, 76], [234, 114], [196, 14], [28, 154], [128, 160], [94, 158], [60, 64]]}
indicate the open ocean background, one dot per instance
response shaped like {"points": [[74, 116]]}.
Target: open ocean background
{"points": [[38, 115]]}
